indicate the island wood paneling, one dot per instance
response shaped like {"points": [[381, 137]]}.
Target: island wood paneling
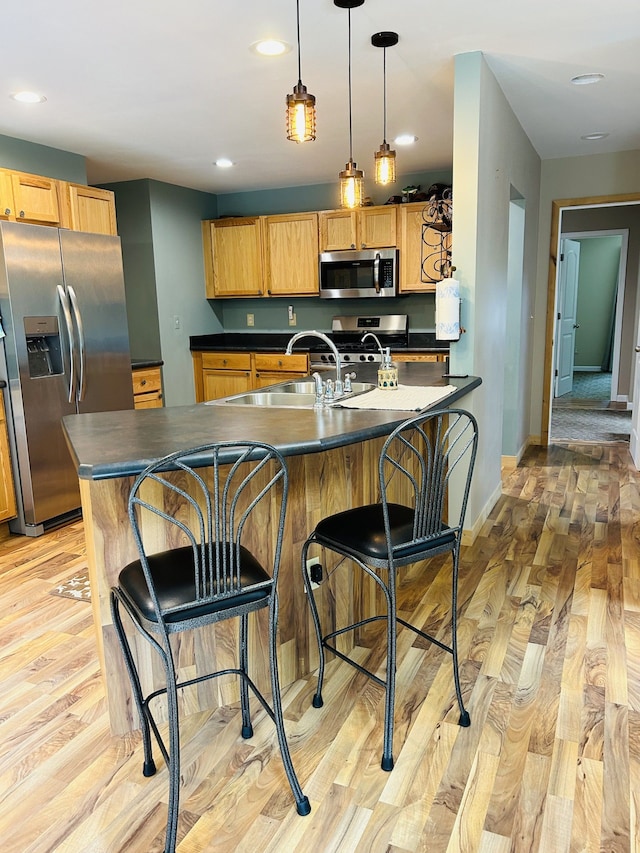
{"points": [[320, 484]]}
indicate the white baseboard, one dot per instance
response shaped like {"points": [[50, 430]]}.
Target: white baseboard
{"points": [[508, 463], [588, 369], [469, 535]]}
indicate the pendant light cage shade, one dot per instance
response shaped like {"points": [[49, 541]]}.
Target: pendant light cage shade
{"points": [[301, 106], [385, 157], [385, 163], [351, 186], [301, 115]]}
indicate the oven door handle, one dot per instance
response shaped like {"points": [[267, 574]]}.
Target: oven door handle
{"points": [[376, 272]]}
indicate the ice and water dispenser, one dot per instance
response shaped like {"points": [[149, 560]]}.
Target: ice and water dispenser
{"points": [[43, 346]]}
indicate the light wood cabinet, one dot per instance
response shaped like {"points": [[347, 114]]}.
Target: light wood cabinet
{"points": [[45, 201], [422, 255], [233, 257], [91, 209], [291, 254], [34, 199], [270, 369], [147, 388], [418, 356], [365, 228], [221, 374], [7, 493]]}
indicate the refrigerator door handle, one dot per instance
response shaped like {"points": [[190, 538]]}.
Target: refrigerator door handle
{"points": [[66, 311], [82, 381]]}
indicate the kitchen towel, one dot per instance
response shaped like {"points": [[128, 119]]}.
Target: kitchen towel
{"points": [[405, 398], [448, 309]]}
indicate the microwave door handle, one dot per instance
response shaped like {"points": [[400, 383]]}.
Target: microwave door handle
{"points": [[66, 312], [82, 381], [376, 272]]}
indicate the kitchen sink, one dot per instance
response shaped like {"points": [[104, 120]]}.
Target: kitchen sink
{"points": [[295, 394]]}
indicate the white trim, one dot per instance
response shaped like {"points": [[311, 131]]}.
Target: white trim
{"points": [[469, 535]]}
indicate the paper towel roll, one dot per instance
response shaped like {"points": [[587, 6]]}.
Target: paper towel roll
{"points": [[448, 309]]}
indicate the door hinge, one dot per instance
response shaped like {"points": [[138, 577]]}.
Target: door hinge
{"points": [[561, 257], [559, 316], [556, 373]]}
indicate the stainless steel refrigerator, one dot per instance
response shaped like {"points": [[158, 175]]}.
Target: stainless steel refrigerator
{"points": [[65, 350]]}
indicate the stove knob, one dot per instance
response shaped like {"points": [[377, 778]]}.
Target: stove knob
{"points": [[370, 358], [362, 357], [346, 358]]}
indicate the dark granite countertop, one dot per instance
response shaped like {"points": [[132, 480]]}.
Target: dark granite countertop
{"points": [[115, 444], [277, 342], [139, 363]]}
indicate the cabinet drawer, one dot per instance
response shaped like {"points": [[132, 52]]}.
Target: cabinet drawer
{"points": [[297, 363], [147, 380], [152, 400], [226, 360]]}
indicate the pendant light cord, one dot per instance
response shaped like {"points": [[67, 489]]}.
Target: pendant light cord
{"points": [[298, 24], [384, 95], [350, 122]]}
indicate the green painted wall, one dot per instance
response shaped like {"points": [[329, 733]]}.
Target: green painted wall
{"points": [[316, 196], [37, 159], [597, 290]]}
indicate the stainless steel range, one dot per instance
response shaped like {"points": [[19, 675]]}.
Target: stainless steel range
{"points": [[392, 330]]}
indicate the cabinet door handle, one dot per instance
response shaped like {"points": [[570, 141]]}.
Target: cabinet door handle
{"points": [[22, 213], [224, 360], [143, 382], [7, 211]]}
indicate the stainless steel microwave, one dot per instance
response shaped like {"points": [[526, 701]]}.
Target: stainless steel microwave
{"points": [[355, 274]]}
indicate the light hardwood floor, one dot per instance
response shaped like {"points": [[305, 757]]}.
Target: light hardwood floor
{"points": [[550, 651]]}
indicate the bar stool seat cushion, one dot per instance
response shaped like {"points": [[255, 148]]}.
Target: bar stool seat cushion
{"points": [[360, 531], [174, 580]]}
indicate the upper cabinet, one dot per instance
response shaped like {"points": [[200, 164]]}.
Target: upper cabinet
{"points": [[30, 198], [261, 255], [91, 209], [365, 228], [278, 255], [291, 254], [46, 201], [425, 251], [233, 257]]}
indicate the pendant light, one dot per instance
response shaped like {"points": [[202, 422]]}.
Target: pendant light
{"points": [[385, 158], [301, 106], [351, 178]]}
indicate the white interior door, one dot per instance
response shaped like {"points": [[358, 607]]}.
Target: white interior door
{"points": [[566, 324], [634, 442]]}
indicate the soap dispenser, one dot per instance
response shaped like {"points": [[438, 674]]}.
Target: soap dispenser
{"points": [[388, 370]]}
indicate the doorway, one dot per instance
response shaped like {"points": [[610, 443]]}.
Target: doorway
{"points": [[591, 292], [625, 360]]}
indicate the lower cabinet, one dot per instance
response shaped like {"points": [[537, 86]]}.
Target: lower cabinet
{"points": [[7, 494], [270, 369], [222, 374], [147, 388], [418, 356]]}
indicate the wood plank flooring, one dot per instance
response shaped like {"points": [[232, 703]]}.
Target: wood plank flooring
{"points": [[550, 651]]}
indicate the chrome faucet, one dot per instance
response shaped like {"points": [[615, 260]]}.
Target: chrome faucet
{"points": [[338, 387]]}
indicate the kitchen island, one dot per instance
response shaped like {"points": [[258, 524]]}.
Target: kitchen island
{"points": [[332, 460]]}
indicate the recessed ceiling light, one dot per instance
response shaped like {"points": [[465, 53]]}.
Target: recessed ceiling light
{"points": [[28, 97], [586, 79], [270, 47], [591, 136], [224, 163], [405, 139]]}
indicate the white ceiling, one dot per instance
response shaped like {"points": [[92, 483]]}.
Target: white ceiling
{"points": [[159, 89]]}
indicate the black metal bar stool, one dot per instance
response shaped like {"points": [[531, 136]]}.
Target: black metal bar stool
{"points": [[209, 497], [426, 465]]}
